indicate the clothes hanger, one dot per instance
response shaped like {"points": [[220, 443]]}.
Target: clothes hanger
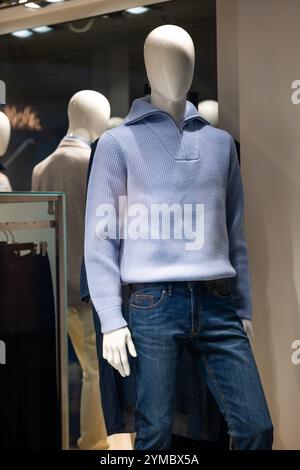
{"points": [[17, 247]]}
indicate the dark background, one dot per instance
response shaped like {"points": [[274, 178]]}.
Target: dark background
{"points": [[45, 70]]}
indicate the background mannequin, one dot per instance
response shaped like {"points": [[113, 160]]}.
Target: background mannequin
{"points": [[209, 110], [5, 130], [88, 113], [66, 170], [169, 59]]}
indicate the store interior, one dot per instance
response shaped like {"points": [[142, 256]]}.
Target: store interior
{"points": [[46, 66], [103, 53], [246, 60]]}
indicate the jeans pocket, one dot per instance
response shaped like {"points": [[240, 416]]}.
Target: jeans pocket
{"points": [[146, 299]]}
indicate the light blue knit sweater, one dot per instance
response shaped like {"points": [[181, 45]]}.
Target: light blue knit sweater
{"points": [[152, 161]]}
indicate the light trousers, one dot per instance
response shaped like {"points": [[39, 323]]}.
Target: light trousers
{"points": [[82, 333]]}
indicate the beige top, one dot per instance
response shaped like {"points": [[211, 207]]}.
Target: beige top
{"points": [[66, 170]]}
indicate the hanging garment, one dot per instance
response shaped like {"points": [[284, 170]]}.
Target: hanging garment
{"points": [[29, 406]]}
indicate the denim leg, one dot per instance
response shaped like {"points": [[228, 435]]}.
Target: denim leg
{"points": [[226, 358], [158, 353]]}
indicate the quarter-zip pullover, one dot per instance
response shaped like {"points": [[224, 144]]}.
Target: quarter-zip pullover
{"points": [[154, 162]]}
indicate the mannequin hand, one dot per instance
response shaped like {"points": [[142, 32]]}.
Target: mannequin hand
{"points": [[114, 349], [247, 324]]}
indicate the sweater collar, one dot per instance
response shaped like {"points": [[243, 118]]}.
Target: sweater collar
{"points": [[141, 108], [75, 142]]}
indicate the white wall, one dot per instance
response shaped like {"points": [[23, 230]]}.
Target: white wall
{"points": [[228, 66], [269, 124]]}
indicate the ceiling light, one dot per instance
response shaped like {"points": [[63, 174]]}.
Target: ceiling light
{"points": [[137, 10], [22, 33], [22, 1], [42, 29], [32, 5], [54, 1]]}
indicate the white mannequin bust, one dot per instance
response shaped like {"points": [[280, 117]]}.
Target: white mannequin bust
{"points": [[209, 110], [88, 113], [5, 131], [169, 59]]}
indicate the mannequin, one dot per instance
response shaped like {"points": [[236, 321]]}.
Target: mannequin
{"points": [[209, 110], [88, 113], [66, 170], [165, 152], [170, 69], [5, 130]]}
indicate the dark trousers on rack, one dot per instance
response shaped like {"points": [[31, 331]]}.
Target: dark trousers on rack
{"points": [[29, 409]]}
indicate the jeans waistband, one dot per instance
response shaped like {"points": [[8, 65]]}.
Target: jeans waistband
{"points": [[182, 285]]}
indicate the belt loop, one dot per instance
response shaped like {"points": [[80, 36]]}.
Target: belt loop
{"points": [[170, 288]]}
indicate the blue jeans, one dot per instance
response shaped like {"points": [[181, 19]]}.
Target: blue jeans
{"points": [[165, 316]]}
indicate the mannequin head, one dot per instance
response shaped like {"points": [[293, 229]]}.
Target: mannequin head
{"points": [[5, 130], [169, 59], [88, 112], [209, 110]]}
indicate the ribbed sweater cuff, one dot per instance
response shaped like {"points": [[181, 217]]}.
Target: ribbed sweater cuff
{"points": [[111, 319]]}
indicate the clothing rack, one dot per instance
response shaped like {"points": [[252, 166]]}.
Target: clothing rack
{"points": [[38, 224], [42, 205]]}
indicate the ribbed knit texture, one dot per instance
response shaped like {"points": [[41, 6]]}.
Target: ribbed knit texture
{"points": [[150, 160]]}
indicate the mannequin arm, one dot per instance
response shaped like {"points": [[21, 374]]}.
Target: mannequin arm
{"points": [[107, 183], [237, 243], [114, 349], [248, 327]]}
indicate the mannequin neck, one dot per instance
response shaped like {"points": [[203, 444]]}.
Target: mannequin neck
{"points": [[175, 108], [80, 134]]}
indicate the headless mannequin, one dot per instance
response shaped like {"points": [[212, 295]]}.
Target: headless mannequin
{"points": [[169, 59], [66, 170], [5, 131]]}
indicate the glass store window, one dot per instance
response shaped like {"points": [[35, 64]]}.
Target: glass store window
{"points": [[104, 53], [45, 66]]}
